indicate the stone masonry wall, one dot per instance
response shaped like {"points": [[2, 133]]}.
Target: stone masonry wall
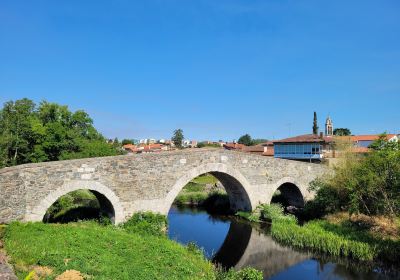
{"points": [[143, 181]]}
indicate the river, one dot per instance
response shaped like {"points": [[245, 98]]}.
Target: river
{"points": [[234, 243]]}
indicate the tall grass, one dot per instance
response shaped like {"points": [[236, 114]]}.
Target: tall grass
{"points": [[319, 235]]}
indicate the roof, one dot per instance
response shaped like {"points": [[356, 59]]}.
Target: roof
{"points": [[356, 138], [234, 146], [254, 149], [307, 138]]}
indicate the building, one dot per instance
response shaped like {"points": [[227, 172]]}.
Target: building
{"points": [[361, 143], [268, 149], [303, 147]]}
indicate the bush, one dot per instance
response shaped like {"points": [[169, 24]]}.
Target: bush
{"points": [[247, 273], [146, 223]]}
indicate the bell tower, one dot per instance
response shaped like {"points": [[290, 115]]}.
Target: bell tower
{"points": [[329, 127]]}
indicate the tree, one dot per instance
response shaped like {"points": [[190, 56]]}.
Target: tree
{"points": [[127, 141], [341, 132], [177, 138], [245, 140], [31, 133], [315, 124]]}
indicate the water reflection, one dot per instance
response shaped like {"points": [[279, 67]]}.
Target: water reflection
{"points": [[232, 243]]}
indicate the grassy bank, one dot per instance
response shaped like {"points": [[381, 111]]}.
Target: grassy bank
{"points": [[343, 239], [135, 250]]}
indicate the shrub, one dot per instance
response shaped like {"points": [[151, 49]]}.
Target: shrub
{"points": [[146, 223], [247, 273]]}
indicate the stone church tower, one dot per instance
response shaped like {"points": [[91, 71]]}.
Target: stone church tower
{"points": [[329, 127]]}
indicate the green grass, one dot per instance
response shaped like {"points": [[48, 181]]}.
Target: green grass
{"points": [[205, 179], [137, 249], [102, 252], [319, 235]]}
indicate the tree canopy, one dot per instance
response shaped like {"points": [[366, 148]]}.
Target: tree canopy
{"points": [[248, 141], [177, 138], [47, 132], [341, 132]]}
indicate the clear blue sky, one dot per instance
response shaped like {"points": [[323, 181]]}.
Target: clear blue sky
{"points": [[216, 69]]}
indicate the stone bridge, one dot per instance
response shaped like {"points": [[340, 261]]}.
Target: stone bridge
{"points": [[150, 182]]}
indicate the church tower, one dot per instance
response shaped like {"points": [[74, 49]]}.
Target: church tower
{"points": [[329, 127]]}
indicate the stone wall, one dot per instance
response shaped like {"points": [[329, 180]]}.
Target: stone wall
{"points": [[146, 181]]}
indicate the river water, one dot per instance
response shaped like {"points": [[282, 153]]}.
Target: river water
{"points": [[234, 243]]}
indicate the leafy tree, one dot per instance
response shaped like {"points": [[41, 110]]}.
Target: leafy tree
{"points": [[315, 124], [30, 133], [177, 138], [127, 141], [341, 132], [245, 140]]}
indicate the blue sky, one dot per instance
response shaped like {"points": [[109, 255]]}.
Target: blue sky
{"points": [[216, 69]]}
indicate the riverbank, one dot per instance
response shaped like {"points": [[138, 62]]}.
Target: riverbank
{"points": [[206, 192], [136, 250], [343, 238]]}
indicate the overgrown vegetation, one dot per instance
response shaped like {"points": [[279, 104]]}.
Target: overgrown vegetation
{"points": [[341, 239], [204, 192], [368, 185], [74, 206], [47, 132], [137, 249], [146, 223]]}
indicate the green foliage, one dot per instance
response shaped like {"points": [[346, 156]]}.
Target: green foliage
{"points": [[267, 213], [315, 124], [47, 132], [341, 132], [245, 140], [127, 141], [368, 185], [314, 235], [146, 223], [248, 141], [247, 273], [177, 138], [101, 252], [275, 212]]}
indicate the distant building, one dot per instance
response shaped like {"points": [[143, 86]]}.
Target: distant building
{"points": [[361, 143], [303, 147], [268, 149]]}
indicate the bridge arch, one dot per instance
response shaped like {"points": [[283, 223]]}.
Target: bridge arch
{"points": [[293, 191], [235, 184], [99, 190]]}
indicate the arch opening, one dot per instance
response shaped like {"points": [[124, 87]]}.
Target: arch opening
{"points": [[216, 191], [79, 205], [289, 196]]}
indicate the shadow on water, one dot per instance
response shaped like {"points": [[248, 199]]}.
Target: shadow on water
{"points": [[230, 242]]}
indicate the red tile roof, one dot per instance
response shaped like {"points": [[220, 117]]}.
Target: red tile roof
{"points": [[369, 137], [234, 146], [307, 138]]}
